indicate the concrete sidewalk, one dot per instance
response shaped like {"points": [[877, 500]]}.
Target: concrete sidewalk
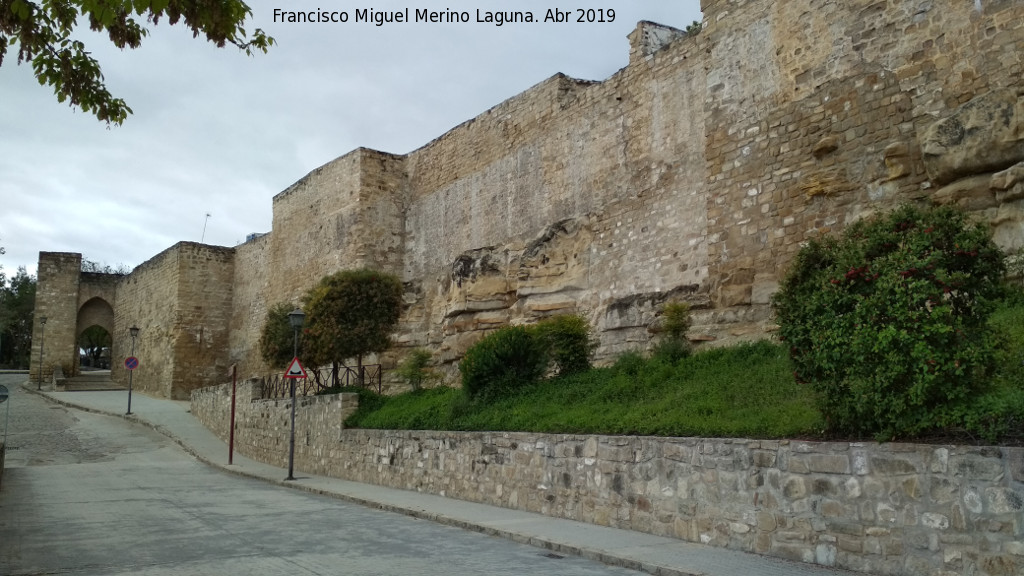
{"points": [[635, 550]]}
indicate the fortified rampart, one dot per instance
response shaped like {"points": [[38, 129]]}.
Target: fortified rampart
{"points": [[693, 173]]}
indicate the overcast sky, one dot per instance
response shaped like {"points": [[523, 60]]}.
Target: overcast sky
{"points": [[214, 131]]}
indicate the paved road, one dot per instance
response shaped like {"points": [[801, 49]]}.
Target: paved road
{"points": [[90, 494]]}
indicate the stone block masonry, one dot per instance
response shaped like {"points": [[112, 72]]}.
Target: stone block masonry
{"points": [[892, 509], [263, 427], [694, 173], [181, 302]]}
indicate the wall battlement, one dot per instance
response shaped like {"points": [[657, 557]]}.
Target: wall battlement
{"points": [[694, 173]]}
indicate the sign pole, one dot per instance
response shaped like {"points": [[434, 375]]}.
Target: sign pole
{"points": [[294, 372], [231, 433], [131, 363]]}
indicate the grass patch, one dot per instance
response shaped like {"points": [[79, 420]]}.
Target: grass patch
{"points": [[746, 390], [740, 391]]}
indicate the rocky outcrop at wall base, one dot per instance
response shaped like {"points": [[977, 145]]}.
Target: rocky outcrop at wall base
{"points": [[892, 509]]}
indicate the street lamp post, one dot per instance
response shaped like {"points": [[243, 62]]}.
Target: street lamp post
{"points": [[295, 318], [42, 345], [134, 331]]}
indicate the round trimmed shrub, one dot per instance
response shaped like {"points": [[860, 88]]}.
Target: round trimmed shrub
{"points": [[568, 343], [888, 322], [502, 361]]}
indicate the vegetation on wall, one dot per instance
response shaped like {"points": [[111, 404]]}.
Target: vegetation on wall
{"points": [[675, 321], [742, 391], [350, 314], [900, 328], [415, 369], [502, 362], [888, 323], [515, 356]]}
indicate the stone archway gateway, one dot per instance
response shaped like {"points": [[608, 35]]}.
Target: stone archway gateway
{"points": [[180, 300], [71, 301], [94, 313]]}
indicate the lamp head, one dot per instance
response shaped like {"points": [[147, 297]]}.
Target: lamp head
{"points": [[296, 318]]}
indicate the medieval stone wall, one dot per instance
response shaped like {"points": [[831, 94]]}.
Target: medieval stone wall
{"points": [[250, 287], [345, 214], [892, 509], [148, 299], [181, 301], [57, 301], [817, 116], [567, 198], [694, 173], [202, 327]]}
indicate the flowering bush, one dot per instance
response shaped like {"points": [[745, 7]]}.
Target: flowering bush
{"points": [[888, 322]]}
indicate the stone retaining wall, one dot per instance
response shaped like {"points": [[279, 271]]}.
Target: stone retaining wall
{"points": [[893, 509], [262, 426]]}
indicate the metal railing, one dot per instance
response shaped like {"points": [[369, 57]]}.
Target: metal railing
{"points": [[277, 386]]}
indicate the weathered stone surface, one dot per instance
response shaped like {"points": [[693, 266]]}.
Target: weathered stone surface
{"points": [[983, 135], [1008, 178], [973, 193], [702, 165], [1004, 500]]}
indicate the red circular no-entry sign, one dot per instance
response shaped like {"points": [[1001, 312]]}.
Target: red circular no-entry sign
{"points": [[131, 362]]}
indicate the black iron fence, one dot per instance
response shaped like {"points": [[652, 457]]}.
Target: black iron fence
{"points": [[369, 376]]}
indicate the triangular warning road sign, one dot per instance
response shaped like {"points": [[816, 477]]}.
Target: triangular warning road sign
{"points": [[295, 369]]}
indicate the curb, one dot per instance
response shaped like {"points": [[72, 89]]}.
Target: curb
{"points": [[592, 554]]}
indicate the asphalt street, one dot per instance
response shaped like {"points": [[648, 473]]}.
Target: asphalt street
{"points": [[86, 493]]}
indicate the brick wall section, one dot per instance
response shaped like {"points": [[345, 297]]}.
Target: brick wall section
{"points": [[617, 157], [148, 299], [893, 509], [345, 214]]}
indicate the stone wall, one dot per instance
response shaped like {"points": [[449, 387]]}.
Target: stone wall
{"points": [[818, 114], [694, 173], [251, 288], [262, 427], [893, 509], [181, 301], [57, 301]]}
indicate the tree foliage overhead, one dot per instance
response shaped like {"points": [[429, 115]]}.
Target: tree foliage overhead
{"points": [[43, 33], [350, 314]]}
